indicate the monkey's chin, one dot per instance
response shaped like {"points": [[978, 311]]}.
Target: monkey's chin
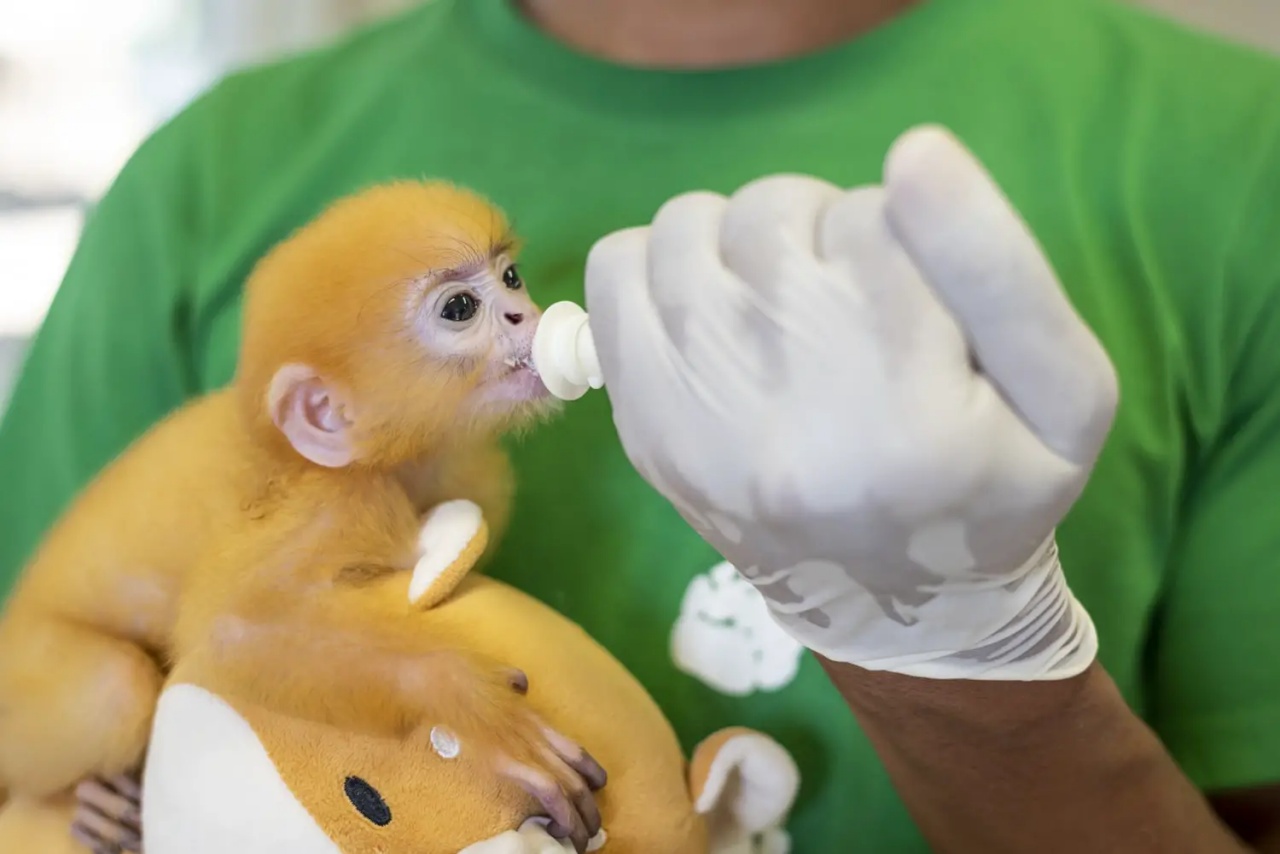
{"points": [[516, 399]]}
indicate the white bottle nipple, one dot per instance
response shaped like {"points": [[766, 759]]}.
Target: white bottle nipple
{"points": [[564, 353]]}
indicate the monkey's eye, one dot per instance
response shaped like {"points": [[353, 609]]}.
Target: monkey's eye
{"points": [[460, 307], [511, 278], [367, 801]]}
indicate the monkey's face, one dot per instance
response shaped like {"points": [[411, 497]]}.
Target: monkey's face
{"points": [[394, 323], [479, 321]]}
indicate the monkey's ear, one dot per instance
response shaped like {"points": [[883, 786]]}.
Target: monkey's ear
{"points": [[308, 411]]}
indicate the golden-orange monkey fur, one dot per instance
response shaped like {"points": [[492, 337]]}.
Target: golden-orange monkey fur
{"points": [[214, 535]]}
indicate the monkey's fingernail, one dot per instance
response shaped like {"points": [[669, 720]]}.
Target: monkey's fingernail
{"points": [[592, 771], [519, 680], [83, 836], [578, 839]]}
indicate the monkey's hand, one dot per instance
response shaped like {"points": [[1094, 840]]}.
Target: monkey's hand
{"points": [[484, 719], [878, 404], [108, 814], [334, 661]]}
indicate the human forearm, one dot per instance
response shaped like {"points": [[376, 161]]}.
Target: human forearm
{"points": [[1030, 766]]}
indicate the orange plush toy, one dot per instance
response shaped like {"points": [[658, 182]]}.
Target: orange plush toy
{"points": [[225, 776]]}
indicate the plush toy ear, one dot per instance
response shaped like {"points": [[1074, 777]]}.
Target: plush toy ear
{"points": [[311, 415], [453, 537], [744, 784]]}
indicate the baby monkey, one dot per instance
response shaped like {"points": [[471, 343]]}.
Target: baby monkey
{"points": [[385, 351]]}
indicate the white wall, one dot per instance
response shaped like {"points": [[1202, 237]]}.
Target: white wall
{"points": [[1252, 21]]}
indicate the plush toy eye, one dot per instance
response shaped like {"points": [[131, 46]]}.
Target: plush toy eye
{"points": [[366, 799], [511, 278], [460, 307]]}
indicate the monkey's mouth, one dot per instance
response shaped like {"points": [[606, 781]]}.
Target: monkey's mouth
{"points": [[519, 381], [520, 363]]}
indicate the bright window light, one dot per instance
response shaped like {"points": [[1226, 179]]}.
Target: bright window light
{"points": [[35, 248]]}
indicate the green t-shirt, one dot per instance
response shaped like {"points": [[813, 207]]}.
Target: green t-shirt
{"points": [[1146, 158]]}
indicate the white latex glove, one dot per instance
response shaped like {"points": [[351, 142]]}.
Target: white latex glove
{"points": [[878, 404]]}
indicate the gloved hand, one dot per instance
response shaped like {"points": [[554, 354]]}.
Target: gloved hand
{"points": [[878, 404]]}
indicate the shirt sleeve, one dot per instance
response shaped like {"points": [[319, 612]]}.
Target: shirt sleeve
{"points": [[112, 355], [1216, 657]]}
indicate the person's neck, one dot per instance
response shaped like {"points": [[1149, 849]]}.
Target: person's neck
{"points": [[705, 34]]}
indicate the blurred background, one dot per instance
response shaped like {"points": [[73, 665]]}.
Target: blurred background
{"points": [[82, 82]]}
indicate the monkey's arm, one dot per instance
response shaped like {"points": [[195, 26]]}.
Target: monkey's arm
{"points": [[78, 683], [288, 633], [74, 702], [81, 633]]}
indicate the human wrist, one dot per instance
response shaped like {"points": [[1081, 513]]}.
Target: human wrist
{"points": [[1004, 712]]}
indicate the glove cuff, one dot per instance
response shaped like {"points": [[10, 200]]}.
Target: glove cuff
{"points": [[1050, 637]]}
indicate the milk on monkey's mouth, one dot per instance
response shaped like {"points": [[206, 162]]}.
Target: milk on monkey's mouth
{"points": [[519, 380], [523, 362]]}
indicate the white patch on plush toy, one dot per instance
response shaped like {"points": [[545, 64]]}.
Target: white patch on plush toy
{"points": [[726, 638], [211, 787], [446, 532], [531, 838], [942, 548], [445, 743]]}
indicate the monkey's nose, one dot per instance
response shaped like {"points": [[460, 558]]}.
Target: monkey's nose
{"points": [[513, 318]]}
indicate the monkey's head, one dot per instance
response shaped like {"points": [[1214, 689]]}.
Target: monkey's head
{"points": [[392, 324]]}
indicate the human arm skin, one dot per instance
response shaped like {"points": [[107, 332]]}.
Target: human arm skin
{"points": [[1044, 767]]}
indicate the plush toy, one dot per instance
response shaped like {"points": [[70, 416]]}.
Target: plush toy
{"points": [[228, 777]]}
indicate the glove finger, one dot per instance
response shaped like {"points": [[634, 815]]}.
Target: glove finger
{"points": [[708, 312], [662, 406], [638, 360], [901, 313], [802, 315], [986, 267], [704, 312], [686, 274], [770, 231]]}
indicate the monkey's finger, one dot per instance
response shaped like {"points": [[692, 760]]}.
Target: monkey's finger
{"points": [[98, 846], [99, 832], [109, 802], [986, 266], [127, 785], [577, 758], [565, 820], [518, 680], [579, 793]]}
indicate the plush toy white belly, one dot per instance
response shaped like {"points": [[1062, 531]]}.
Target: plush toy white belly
{"points": [[211, 788]]}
